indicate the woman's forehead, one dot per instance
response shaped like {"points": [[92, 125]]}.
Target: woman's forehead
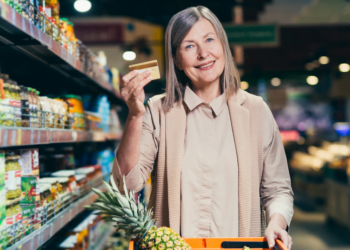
{"points": [[200, 29]]}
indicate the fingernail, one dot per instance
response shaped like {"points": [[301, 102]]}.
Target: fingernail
{"points": [[149, 78], [137, 72], [271, 245]]}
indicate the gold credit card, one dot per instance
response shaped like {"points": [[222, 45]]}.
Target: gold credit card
{"points": [[142, 67]]}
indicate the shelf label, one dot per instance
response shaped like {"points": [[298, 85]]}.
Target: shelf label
{"points": [[13, 16], [24, 27], [74, 135], [13, 139], [31, 30], [70, 58], [19, 136]]}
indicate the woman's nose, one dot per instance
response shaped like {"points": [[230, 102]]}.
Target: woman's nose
{"points": [[202, 52]]}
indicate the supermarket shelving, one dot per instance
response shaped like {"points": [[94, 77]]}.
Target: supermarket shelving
{"points": [[100, 243], [39, 237], [23, 41], [10, 137]]}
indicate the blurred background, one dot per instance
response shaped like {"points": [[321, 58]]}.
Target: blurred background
{"points": [[295, 54]]}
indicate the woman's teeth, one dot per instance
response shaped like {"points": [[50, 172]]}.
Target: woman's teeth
{"points": [[207, 65]]}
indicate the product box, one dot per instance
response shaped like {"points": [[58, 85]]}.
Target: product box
{"points": [[30, 190], [31, 217], [29, 162]]}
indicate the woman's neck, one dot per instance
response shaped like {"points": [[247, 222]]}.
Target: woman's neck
{"points": [[208, 92]]}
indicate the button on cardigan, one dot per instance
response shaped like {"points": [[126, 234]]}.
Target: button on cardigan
{"points": [[209, 172]]}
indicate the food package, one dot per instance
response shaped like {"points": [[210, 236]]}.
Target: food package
{"points": [[29, 162], [12, 175], [31, 217], [30, 190]]}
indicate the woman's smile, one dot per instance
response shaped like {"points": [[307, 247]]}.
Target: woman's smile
{"points": [[206, 66]]}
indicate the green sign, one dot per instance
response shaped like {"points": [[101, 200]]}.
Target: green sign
{"points": [[252, 35]]}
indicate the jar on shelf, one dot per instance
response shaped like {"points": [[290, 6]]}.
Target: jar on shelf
{"points": [[12, 178], [17, 105], [25, 106], [7, 115]]}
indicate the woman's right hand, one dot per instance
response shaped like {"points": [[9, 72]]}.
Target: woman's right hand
{"points": [[131, 90]]}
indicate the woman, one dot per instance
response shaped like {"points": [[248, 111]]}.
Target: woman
{"points": [[214, 151]]}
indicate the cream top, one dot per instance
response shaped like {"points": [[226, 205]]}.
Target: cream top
{"points": [[209, 196]]}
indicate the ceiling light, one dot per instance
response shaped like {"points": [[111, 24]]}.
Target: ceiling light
{"points": [[244, 85], [309, 66], [324, 60], [129, 55], [344, 67], [275, 82], [82, 5], [312, 80]]}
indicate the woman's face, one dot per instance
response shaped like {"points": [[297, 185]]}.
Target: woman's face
{"points": [[201, 55]]}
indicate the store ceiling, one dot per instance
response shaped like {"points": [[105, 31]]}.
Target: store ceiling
{"points": [[159, 11]]}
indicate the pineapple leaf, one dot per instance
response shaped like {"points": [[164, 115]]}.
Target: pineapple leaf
{"points": [[120, 220], [127, 211], [123, 201]]}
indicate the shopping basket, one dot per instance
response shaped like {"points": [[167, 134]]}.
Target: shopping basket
{"points": [[259, 243]]}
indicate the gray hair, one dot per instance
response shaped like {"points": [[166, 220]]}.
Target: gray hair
{"points": [[176, 80]]}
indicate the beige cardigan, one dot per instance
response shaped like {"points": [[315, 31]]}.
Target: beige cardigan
{"points": [[247, 116]]}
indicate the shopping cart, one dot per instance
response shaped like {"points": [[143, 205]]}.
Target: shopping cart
{"points": [[259, 243]]}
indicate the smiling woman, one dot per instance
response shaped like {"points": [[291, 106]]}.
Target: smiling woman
{"points": [[192, 41], [214, 151]]}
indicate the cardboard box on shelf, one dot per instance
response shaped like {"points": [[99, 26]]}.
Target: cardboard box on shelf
{"points": [[30, 190], [29, 162]]}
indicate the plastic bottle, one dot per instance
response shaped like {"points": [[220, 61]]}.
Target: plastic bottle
{"points": [[25, 106], [6, 110], [35, 109], [31, 107], [18, 106], [37, 93]]}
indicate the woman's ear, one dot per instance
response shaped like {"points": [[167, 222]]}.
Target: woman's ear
{"points": [[177, 63]]}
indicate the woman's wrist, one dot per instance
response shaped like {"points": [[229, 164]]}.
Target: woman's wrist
{"points": [[278, 219]]}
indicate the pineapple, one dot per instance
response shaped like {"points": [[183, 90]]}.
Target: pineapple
{"points": [[134, 218]]}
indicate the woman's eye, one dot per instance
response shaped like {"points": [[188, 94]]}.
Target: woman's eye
{"points": [[210, 39], [189, 46]]}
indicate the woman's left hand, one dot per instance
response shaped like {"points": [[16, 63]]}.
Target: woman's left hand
{"points": [[277, 230]]}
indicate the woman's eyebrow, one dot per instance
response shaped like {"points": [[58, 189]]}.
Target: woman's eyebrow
{"points": [[209, 33], [191, 41]]}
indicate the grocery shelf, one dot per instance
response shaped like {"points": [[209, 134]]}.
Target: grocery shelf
{"points": [[100, 243], [23, 39], [10, 137], [40, 236]]}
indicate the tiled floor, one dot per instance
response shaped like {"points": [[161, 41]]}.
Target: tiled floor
{"points": [[310, 232]]}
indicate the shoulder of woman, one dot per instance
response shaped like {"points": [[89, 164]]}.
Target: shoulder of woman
{"points": [[156, 101]]}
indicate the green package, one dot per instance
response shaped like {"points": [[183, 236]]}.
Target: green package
{"points": [[30, 190], [28, 215]]}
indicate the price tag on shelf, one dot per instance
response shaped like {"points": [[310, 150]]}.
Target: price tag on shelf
{"points": [[13, 16], [5, 137], [14, 135], [74, 135], [24, 27], [70, 58], [31, 29], [19, 136]]}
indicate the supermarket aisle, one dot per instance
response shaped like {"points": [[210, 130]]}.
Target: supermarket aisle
{"points": [[309, 231]]}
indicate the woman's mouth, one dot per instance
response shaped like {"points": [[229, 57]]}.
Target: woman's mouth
{"points": [[207, 66]]}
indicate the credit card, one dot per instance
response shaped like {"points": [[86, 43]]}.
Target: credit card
{"points": [[142, 67]]}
